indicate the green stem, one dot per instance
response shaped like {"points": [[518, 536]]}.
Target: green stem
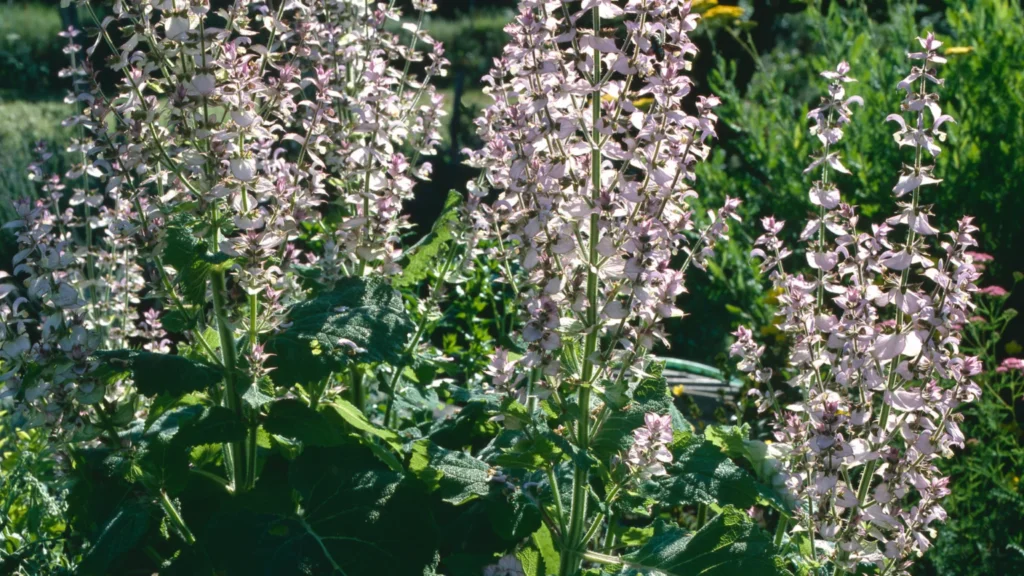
{"points": [[421, 330], [702, 515], [572, 557], [556, 493], [176, 519], [580, 480], [780, 530], [358, 391], [229, 358]]}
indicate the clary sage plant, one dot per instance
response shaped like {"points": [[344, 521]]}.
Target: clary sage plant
{"points": [[218, 321]]}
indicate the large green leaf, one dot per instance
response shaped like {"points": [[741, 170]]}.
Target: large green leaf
{"points": [[351, 515], [728, 545], [347, 411], [702, 474], [616, 435], [456, 476], [121, 534], [366, 312], [167, 374], [192, 259], [425, 257], [164, 445], [292, 418], [733, 441], [214, 425]]}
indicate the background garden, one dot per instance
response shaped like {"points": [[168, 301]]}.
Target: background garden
{"points": [[761, 57]]}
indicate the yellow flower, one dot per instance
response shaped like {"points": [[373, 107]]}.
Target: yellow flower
{"points": [[957, 50], [724, 12], [699, 4], [1013, 348], [643, 103], [678, 390]]}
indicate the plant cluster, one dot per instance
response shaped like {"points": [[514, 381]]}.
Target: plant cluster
{"points": [[876, 330], [217, 322]]}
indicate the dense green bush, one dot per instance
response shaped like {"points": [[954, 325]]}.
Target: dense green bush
{"points": [[32, 503], [764, 147]]}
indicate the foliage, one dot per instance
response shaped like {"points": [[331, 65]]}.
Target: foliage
{"points": [[474, 39], [34, 499]]}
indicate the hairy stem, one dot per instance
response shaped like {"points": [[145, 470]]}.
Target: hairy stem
{"points": [[176, 519], [571, 557], [232, 399]]}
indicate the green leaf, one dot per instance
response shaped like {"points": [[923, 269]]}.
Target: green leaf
{"points": [[167, 374], [732, 441], [538, 453], [424, 259], [701, 473], [215, 425], [365, 311], [729, 439], [177, 322], [294, 419], [356, 419], [729, 544], [456, 476], [616, 436], [165, 443], [533, 564], [351, 515], [191, 257], [546, 546], [124, 531], [513, 516]]}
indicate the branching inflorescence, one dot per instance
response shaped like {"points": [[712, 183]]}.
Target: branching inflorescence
{"points": [[875, 344], [285, 140], [593, 155]]}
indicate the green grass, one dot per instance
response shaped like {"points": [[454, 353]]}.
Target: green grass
{"points": [[22, 124], [450, 31], [30, 50]]}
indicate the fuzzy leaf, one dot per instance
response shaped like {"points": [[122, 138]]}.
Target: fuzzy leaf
{"points": [[166, 374], [729, 544], [294, 419], [546, 546], [513, 516], [352, 516], [215, 425], [366, 312], [356, 419], [616, 436], [456, 476], [702, 474], [424, 259], [191, 257], [120, 535]]}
